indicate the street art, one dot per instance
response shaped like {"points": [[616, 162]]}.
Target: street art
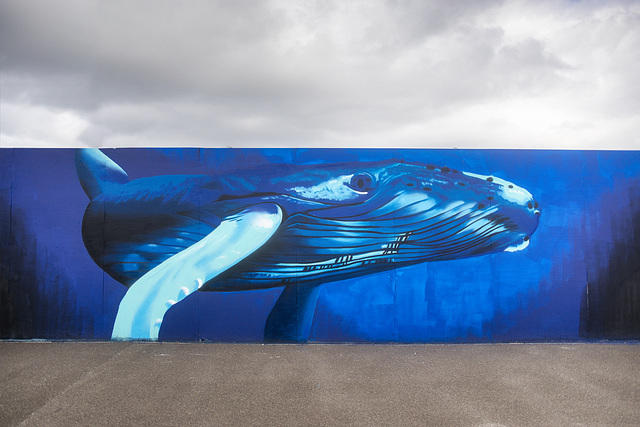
{"points": [[291, 245], [168, 236]]}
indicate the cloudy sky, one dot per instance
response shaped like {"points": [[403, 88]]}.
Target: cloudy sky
{"points": [[455, 73]]}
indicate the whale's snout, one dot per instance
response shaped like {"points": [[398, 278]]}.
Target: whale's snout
{"points": [[525, 213], [515, 203]]}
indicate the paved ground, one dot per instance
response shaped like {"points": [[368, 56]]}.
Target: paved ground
{"points": [[67, 383]]}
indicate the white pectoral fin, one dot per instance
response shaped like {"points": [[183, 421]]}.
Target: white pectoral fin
{"points": [[144, 305]]}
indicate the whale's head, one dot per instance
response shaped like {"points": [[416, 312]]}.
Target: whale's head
{"points": [[407, 213]]}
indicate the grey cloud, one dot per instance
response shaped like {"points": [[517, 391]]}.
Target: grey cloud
{"points": [[283, 73], [529, 68], [135, 48], [129, 50]]}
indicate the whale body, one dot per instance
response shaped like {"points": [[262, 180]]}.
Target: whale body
{"points": [[288, 226]]}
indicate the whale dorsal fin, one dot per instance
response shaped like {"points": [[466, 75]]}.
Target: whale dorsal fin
{"points": [[96, 171]]}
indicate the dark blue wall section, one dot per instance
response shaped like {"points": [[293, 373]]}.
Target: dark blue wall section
{"points": [[579, 277]]}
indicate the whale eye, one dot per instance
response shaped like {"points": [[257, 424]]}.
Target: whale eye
{"points": [[362, 181]]}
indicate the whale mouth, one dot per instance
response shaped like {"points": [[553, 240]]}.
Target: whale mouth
{"points": [[518, 246]]}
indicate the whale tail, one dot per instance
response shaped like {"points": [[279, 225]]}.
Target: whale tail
{"points": [[96, 171]]}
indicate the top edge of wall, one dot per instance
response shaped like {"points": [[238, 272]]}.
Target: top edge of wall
{"points": [[359, 147]]}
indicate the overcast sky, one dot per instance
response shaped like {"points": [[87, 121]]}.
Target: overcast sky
{"points": [[454, 73]]}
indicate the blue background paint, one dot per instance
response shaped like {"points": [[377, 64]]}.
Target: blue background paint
{"points": [[587, 233]]}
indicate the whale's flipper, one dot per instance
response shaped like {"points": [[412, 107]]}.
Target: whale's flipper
{"points": [[96, 171], [291, 317], [144, 305]]}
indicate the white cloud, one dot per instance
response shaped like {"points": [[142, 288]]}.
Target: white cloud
{"points": [[36, 126], [526, 73]]}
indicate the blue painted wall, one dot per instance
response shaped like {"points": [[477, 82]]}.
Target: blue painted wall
{"points": [[578, 279]]}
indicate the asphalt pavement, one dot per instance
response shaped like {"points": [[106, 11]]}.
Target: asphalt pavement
{"points": [[134, 383]]}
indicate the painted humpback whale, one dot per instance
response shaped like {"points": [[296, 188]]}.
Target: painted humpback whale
{"points": [[286, 226]]}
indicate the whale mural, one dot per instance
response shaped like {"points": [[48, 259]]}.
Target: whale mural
{"points": [[167, 236], [323, 245]]}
